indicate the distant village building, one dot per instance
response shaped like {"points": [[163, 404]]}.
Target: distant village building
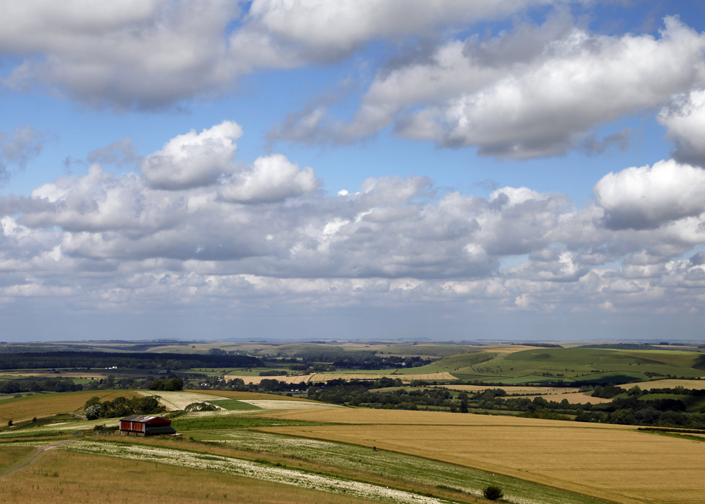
{"points": [[143, 425]]}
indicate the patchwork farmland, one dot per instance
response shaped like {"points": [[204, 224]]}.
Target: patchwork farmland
{"points": [[421, 433]]}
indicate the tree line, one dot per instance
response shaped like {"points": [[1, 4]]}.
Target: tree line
{"points": [[121, 406], [104, 360]]}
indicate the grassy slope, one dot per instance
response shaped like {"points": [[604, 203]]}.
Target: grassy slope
{"points": [[583, 364], [95, 479]]}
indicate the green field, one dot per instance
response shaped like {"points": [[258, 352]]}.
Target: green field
{"points": [[575, 365]]}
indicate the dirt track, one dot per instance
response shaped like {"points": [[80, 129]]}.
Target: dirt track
{"points": [[31, 458]]}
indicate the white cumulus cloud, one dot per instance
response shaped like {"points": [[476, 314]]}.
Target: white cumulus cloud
{"points": [[532, 92], [685, 123], [271, 178], [648, 197], [193, 159]]}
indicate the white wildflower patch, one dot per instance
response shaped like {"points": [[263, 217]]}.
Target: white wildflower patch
{"points": [[253, 470]]}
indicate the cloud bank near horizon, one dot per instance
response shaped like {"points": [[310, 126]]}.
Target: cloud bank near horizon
{"points": [[211, 231]]}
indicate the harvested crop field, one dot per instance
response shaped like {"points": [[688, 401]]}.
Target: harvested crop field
{"points": [[572, 398], [550, 394], [179, 400], [512, 389], [258, 379], [233, 394], [288, 405], [617, 463], [26, 408], [688, 384], [62, 374], [324, 377], [357, 416]]}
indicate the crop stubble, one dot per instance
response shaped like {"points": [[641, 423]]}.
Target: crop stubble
{"points": [[52, 404]]}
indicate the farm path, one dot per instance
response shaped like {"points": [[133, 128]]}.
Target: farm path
{"points": [[32, 458]]}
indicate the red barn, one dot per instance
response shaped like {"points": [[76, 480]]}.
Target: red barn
{"points": [[143, 425]]}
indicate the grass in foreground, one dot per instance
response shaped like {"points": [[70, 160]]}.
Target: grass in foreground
{"points": [[62, 477], [9, 454]]}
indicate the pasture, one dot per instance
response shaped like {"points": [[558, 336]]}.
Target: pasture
{"points": [[574, 365], [10, 455], [612, 462]]}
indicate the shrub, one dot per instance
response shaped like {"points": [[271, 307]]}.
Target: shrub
{"points": [[94, 412], [201, 406], [493, 492]]}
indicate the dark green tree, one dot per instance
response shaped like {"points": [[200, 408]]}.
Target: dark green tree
{"points": [[493, 492]]}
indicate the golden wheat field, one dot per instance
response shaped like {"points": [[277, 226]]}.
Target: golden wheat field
{"points": [[511, 389], [67, 478], [324, 377], [688, 384], [47, 405], [253, 396], [44, 374], [257, 379], [572, 398], [550, 394], [612, 462]]}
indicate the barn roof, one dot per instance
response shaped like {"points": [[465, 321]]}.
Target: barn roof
{"points": [[141, 418]]}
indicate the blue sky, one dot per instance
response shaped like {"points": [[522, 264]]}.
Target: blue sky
{"points": [[524, 169]]}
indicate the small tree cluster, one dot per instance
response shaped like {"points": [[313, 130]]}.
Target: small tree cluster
{"points": [[168, 385], [121, 406]]}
